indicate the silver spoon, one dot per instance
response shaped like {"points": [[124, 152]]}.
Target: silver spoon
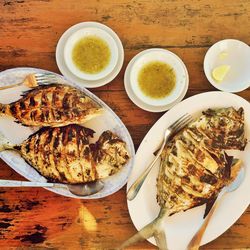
{"points": [[77, 189], [194, 244]]}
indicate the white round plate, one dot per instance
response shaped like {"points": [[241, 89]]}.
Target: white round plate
{"points": [[96, 32], [137, 101], [16, 133], [181, 227], [166, 57], [237, 57], [67, 73]]}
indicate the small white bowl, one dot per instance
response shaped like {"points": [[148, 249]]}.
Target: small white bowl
{"points": [[79, 34], [237, 57], [164, 56], [72, 77]]}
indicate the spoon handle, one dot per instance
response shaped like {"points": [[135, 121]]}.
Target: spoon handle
{"points": [[194, 244], [11, 183]]}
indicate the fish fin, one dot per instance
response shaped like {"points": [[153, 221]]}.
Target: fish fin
{"points": [[25, 92], [18, 122], [144, 233], [229, 162], [152, 229], [5, 143], [40, 86], [235, 165], [209, 205]]}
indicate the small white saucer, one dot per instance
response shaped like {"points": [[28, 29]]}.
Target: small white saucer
{"points": [[137, 101], [237, 57], [80, 34], [69, 75], [166, 57]]}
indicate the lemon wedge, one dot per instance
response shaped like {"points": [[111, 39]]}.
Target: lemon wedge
{"points": [[220, 72]]}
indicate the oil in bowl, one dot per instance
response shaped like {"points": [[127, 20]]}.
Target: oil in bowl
{"points": [[91, 54], [156, 79]]}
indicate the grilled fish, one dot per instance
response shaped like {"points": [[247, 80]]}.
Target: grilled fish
{"points": [[194, 167], [64, 154], [52, 105]]}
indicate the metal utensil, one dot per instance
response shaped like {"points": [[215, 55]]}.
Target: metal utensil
{"points": [[169, 132], [33, 80], [195, 241], [77, 189]]}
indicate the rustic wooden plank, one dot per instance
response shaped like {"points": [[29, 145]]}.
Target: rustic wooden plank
{"points": [[29, 29], [140, 22]]}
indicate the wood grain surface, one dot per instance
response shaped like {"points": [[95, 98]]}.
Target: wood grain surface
{"points": [[29, 30]]}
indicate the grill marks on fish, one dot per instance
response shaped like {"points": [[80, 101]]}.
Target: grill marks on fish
{"points": [[194, 166], [52, 105], [224, 128], [53, 151], [63, 154], [32, 102], [67, 101]]}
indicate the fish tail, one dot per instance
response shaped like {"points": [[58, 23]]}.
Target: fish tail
{"points": [[2, 108], [152, 229], [5, 143], [161, 241]]}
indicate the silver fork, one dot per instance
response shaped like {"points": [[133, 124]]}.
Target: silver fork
{"points": [[169, 132], [33, 80]]}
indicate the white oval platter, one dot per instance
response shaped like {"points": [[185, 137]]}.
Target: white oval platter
{"points": [[17, 133]]}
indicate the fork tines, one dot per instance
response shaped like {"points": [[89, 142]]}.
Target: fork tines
{"points": [[45, 78], [183, 121]]}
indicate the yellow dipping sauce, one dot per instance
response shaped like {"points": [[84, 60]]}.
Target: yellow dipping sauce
{"points": [[91, 54], [157, 79]]}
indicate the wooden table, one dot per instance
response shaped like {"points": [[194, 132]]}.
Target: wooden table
{"points": [[38, 219]]}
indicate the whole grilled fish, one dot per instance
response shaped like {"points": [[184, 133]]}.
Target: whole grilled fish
{"points": [[52, 105], [64, 154], [194, 167]]}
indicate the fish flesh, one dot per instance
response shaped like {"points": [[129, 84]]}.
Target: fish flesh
{"points": [[52, 105], [109, 154], [64, 154], [194, 167]]}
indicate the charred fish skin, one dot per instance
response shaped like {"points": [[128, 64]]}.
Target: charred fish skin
{"points": [[61, 154], [52, 105], [194, 166], [223, 127], [65, 155]]}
